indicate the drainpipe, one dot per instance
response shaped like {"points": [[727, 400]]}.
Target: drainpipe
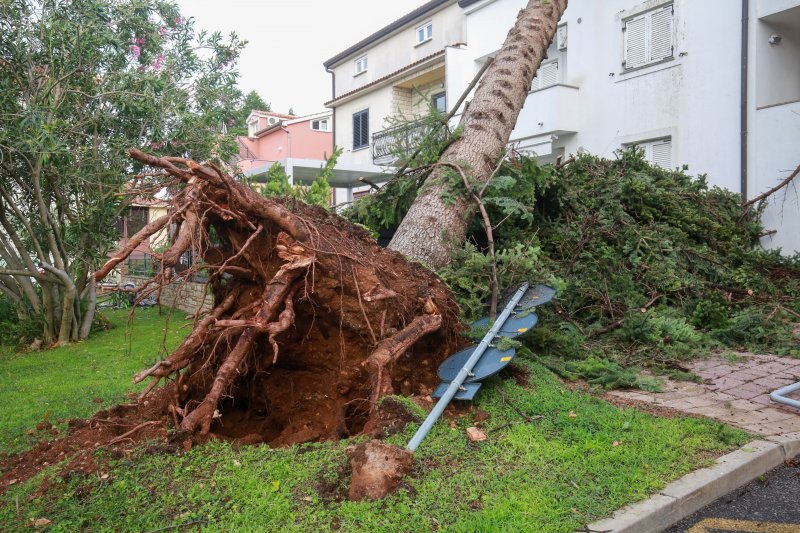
{"points": [[744, 102], [289, 152], [333, 97]]}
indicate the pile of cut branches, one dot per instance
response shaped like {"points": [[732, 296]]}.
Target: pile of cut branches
{"points": [[652, 266]]}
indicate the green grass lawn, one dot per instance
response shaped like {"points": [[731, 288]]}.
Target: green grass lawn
{"points": [[555, 474], [78, 380]]}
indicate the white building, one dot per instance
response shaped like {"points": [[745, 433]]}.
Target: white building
{"points": [[711, 84]]}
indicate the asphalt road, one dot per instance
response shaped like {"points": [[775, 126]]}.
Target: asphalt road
{"points": [[770, 504]]}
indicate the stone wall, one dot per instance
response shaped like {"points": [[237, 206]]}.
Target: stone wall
{"points": [[187, 297]]}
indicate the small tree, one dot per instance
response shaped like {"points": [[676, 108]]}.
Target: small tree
{"points": [[250, 102], [80, 82]]}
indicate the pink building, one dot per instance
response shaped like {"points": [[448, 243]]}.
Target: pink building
{"points": [[299, 144]]}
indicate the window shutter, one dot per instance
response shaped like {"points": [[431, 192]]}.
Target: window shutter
{"points": [[361, 129], [661, 34], [365, 128], [356, 130], [546, 76], [662, 154], [636, 42]]}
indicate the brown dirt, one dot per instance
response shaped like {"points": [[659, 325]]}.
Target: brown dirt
{"points": [[85, 437], [378, 469]]}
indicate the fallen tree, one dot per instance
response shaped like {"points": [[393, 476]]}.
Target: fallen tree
{"points": [[311, 322], [438, 220]]}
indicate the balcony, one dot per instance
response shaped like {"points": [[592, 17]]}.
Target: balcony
{"points": [[553, 110], [393, 143]]}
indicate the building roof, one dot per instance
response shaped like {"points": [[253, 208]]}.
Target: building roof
{"points": [[271, 114], [387, 30], [388, 76], [467, 3], [293, 120]]}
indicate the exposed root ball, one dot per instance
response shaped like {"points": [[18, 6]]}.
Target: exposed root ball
{"points": [[311, 324]]}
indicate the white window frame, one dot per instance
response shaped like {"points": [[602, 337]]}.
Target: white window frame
{"points": [[360, 65], [647, 18], [538, 83], [252, 127], [320, 122], [648, 145], [426, 31]]}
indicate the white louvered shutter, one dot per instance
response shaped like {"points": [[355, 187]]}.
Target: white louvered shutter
{"points": [[662, 153], [636, 42], [661, 34], [547, 75]]}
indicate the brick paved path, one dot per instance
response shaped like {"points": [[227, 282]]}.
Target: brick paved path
{"points": [[735, 392]]}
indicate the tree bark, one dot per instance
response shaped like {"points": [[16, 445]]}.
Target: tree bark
{"points": [[435, 225]]}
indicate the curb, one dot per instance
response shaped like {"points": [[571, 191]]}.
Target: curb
{"points": [[696, 490]]}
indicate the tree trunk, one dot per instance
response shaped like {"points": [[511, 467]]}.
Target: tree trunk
{"points": [[435, 225]]}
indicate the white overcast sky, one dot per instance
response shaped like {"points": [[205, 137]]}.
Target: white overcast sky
{"points": [[288, 40]]}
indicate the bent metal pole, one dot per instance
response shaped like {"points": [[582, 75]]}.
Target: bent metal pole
{"points": [[465, 372]]}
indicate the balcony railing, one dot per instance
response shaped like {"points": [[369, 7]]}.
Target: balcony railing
{"points": [[399, 142]]}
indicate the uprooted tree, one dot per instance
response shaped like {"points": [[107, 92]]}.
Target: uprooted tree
{"points": [[311, 324], [438, 220]]}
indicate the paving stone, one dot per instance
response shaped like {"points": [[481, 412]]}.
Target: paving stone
{"points": [[747, 405], [724, 384], [746, 375], [773, 383], [745, 394], [764, 399]]}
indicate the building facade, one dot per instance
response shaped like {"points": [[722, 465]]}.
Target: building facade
{"points": [[299, 144], [713, 85]]}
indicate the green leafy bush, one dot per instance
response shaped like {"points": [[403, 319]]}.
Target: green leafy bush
{"points": [[652, 266]]}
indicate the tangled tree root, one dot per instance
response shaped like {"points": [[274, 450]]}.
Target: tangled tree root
{"points": [[312, 322]]}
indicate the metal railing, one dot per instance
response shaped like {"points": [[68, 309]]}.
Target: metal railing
{"points": [[390, 144]]}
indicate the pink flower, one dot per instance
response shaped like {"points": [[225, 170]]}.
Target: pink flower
{"points": [[135, 51], [178, 20], [140, 40], [162, 31], [159, 62]]}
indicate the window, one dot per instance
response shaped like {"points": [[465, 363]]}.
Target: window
{"points": [[648, 38], [658, 152], [361, 129], [361, 65], [440, 102], [425, 32], [252, 127], [546, 76], [320, 125]]}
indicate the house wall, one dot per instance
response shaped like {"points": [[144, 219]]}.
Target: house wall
{"points": [[400, 49], [305, 144], [676, 98], [161, 238]]}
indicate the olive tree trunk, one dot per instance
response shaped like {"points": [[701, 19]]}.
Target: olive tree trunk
{"points": [[436, 223]]}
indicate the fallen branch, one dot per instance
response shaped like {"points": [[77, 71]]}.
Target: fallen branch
{"points": [[773, 190]]}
